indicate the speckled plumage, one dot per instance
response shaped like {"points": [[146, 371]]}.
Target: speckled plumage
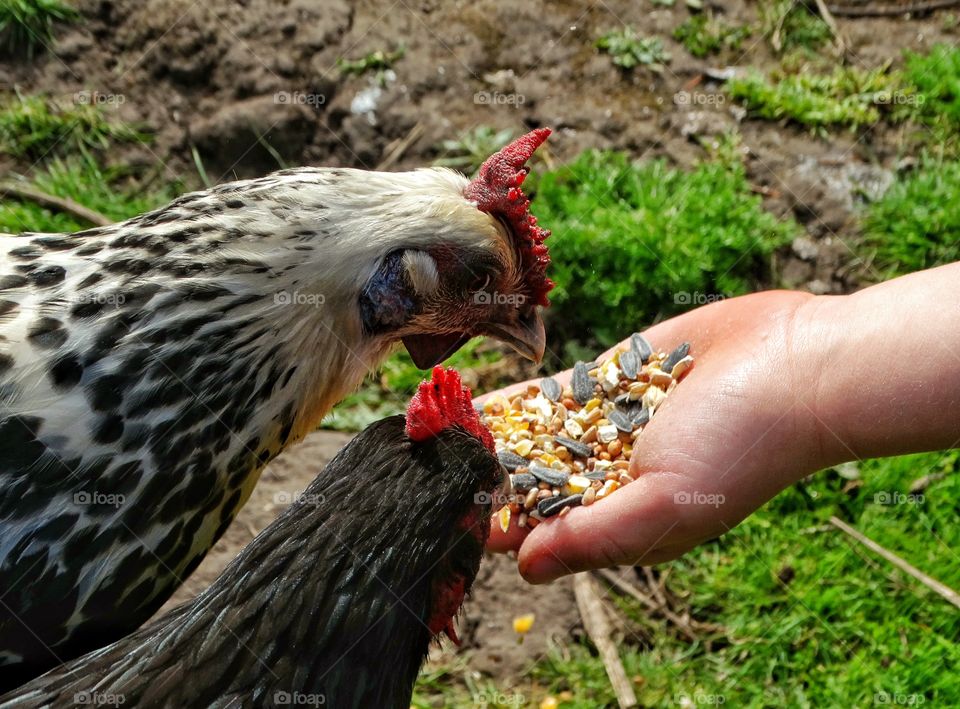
{"points": [[150, 369], [331, 603]]}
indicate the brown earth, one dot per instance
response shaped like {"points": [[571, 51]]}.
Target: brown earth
{"points": [[249, 84]]}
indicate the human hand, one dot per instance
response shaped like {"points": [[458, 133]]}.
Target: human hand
{"points": [[741, 426]]}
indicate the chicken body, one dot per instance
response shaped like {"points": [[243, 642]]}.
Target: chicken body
{"points": [[150, 369], [334, 604]]}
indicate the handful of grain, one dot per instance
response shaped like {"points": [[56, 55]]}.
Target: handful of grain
{"points": [[570, 446]]}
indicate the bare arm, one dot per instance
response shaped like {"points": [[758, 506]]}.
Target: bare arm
{"points": [[785, 384]]}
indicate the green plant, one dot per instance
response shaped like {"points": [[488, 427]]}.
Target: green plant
{"points": [[792, 25], [468, 152], [390, 392], [632, 242], [916, 223], [107, 190], [24, 24], [35, 126], [703, 35], [936, 76], [845, 97], [628, 50], [378, 61]]}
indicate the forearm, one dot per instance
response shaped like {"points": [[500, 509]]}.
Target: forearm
{"points": [[890, 366]]}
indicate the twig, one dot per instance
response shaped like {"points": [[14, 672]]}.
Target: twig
{"points": [[890, 10], [28, 194], [635, 593], [654, 586], [831, 23], [400, 147], [940, 589], [776, 40], [921, 484], [598, 628]]}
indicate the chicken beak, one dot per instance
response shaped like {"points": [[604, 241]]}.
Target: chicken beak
{"points": [[524, 334]]}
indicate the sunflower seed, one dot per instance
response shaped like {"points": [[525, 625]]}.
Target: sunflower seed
{"points": [[575, 447], [630, 364], [551, 388], [523, 481], [510, 460], [639, 344], [582, 384], [675, 357], [548, 508], [641, 417], [681, 367], [593, 475], [621, 421], [554, 478]]}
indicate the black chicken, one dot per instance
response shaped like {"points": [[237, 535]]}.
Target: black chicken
{"points": [[336, 602]]}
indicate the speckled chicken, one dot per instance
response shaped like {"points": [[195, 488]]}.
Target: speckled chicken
{"points": [[150, 369], [336, 602]]}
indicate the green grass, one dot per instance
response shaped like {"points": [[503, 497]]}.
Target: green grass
{"points": [[33, 127], [26, 25], [633, 242], [107, 190], [936, 76], [703, 35], [800, 28], [389, 391], [628, 50], [468, 152], [845, 629], [915, 225], [845, 97]]}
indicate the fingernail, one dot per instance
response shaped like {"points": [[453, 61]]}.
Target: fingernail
{"points": [[540, 569]]}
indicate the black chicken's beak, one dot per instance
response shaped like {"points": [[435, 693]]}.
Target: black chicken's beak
{"points": [[523, 332]]}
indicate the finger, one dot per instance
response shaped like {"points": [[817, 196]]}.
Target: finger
{"points": [[500, 542], [622, 529]]}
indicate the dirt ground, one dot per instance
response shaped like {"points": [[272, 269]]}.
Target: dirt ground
{"points": [[252, 83]]}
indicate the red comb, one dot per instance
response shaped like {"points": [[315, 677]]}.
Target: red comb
{"points": [[496, 190], [442, 403]]}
